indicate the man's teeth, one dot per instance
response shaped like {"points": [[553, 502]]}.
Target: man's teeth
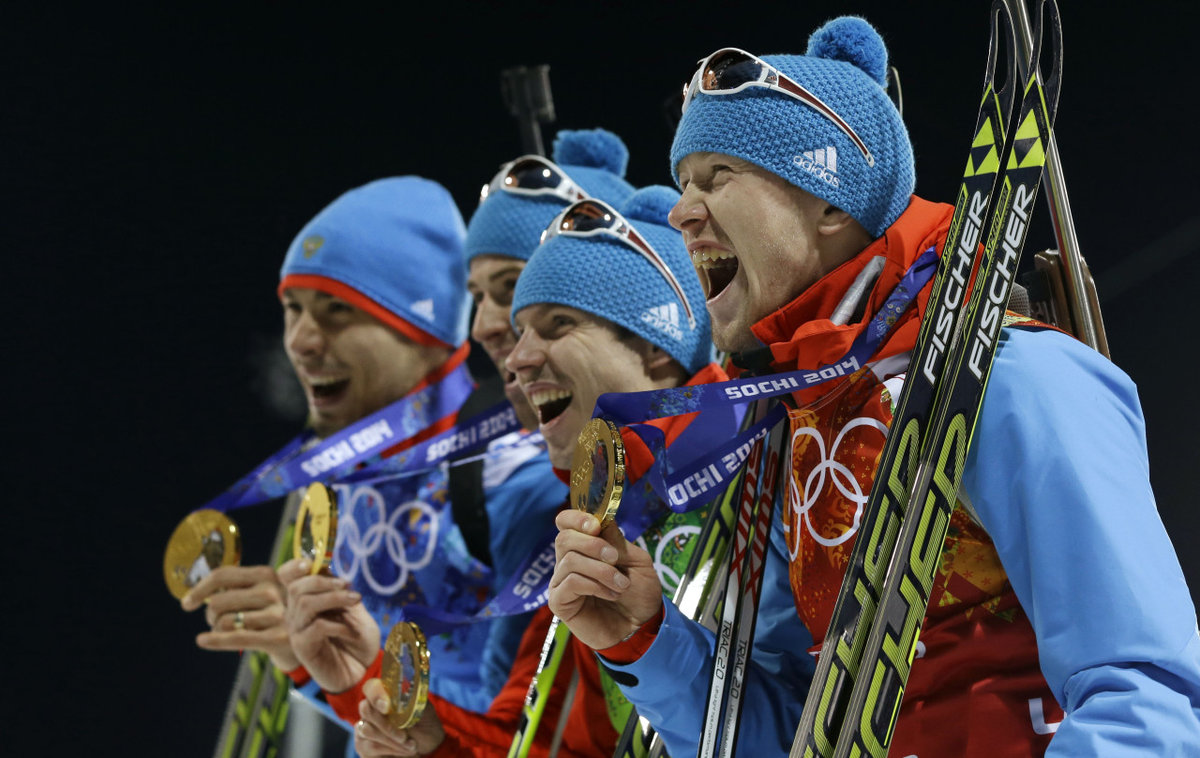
{"points": [[541, 397], [708, 258], [550, 404]]}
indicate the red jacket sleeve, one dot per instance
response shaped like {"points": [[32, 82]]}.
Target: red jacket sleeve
{"points": [[345, 704]]}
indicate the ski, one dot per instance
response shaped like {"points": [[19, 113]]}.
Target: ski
{"points": [[721, 654], [733, 642], [257, 709], [890, 646], [553, 649], [692, 596], [747, 601], [844, 646]]}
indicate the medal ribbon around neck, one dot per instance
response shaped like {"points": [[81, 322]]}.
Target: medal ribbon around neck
{"points": [[358, 446], [457, 445], [683, 478]]}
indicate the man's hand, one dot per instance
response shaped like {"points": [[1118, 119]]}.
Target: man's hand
{"points": [[603, 587], [331, 632], [375, 738], [246, 606]]}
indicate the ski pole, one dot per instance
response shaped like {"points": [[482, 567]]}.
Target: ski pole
{"points": [[1088, 326]]}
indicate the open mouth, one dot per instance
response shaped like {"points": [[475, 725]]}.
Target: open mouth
{"points": [[328, 389], [716, 270], [550, 404]]}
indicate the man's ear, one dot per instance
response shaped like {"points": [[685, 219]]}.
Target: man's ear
{"points": [[834, 220], [654, 357], [660, 366]]}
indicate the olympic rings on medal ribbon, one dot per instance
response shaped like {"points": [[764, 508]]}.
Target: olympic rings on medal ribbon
{"points": [[413, 521], [839, 475]]}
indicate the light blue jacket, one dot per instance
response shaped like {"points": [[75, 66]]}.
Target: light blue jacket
{"points": [[1059, 477]]}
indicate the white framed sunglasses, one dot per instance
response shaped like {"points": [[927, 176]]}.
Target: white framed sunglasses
{"points": [[730, 70], [533, 175]]}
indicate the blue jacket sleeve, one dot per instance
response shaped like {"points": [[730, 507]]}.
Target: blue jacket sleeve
{"points": [[778, 679], [1059, 477]]}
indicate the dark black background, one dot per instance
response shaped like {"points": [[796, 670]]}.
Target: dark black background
{"points": [[157, 164]]}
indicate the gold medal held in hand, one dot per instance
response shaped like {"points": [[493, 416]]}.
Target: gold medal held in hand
{"points": [[405, 674], [316, 527], [598, 470], [203, 541]]}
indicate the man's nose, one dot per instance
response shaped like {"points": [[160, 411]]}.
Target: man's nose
{"points": [[527, 354], [305, 337], [689, 211], [491, 321]]}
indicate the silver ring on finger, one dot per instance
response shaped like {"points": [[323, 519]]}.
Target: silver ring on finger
{"points": [[239, 621]]}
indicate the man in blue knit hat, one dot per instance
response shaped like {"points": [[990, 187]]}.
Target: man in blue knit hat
{"points": [[607, 303], [518, 490], [368, 339], [514, 209], [1059, 621]]}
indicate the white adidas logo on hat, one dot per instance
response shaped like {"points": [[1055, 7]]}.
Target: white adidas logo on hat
{"points": [[820, 163], [424, 308], [665, 318]]}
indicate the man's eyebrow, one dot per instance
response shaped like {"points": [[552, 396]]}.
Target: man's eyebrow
{"points": [[531, 313], [514, 268]]}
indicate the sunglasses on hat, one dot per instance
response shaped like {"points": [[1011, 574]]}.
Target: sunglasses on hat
{"points": [[532, 175], [588, 218], [730, 70]]}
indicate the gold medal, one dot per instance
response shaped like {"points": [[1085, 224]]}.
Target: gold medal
{"points": [[316, 527], [598, 470], [203, 541], [405, 674]]}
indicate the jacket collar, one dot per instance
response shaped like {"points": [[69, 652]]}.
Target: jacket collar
{"points": [[800, 335]]}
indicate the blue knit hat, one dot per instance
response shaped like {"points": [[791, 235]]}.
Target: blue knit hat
{"points": [[393, 248], [603, 276], [510, 224], [846, 67]]}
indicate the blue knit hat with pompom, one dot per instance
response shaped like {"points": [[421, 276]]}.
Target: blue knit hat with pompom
{"points": [[603, 276], [846, 67], [510, 224], [393, 248]]}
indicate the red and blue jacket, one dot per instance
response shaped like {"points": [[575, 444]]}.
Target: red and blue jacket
{"points": [[1059, 622]]}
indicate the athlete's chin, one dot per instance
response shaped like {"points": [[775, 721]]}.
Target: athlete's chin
{"points": [[322, 425], [325, 422], [560, 454], [733, 336], [562, 434], [727, 313]]}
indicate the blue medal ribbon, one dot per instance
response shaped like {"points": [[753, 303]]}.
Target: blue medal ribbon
{"points": [[454, 444], [686, 485], [305, 460]]}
